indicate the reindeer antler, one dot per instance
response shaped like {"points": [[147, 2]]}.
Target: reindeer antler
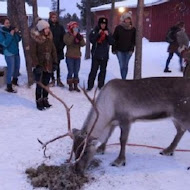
{"points": [[69, 133], [93, 102]]}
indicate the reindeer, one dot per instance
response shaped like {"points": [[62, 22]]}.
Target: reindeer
{"points": [[122, 102]]}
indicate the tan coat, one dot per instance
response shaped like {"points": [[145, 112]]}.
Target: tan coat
{"points": [[43, 51], [73, 49]]}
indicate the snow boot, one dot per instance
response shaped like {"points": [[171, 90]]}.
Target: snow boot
{"points": [[59, 83], [166, 70], [46, 103], [10, 88], [52, 83], [40, 104], [76, 81], [70, 83]]}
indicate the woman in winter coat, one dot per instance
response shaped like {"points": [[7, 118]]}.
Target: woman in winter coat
{"points": [[45, 56], [74, 41], [9, 39], [124, 36], [101, 39]]}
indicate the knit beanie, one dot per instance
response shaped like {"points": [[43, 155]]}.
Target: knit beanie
{"points": [[42, 24], [72, 25], [125, 16]]}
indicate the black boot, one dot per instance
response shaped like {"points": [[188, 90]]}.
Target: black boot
{"points": [[10, 89], [40, 104], [70, 83], [76, 81], [15, 81], [59, 83], [46, 103]]}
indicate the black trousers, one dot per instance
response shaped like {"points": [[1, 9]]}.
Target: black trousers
{"points": [[58, 72], [40, 92], [97, 64]]}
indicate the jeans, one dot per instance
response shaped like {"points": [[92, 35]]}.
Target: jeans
{"points": [[96, 64], [13, 67], [124, 58], [170, 57], [73, 66], [40, 92]]}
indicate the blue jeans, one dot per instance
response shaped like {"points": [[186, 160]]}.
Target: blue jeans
{"points": [[13, 67], [124, 58], [170, 57], [73, 66]]}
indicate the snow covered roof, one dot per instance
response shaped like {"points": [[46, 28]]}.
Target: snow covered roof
{"points": [[128, 4], [43, 12]]}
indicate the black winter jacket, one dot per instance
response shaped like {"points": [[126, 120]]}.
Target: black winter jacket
{"points": [[58, 32], [124, 39], [100, 50]]}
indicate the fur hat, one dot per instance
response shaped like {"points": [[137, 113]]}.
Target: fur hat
{"points": [[103, 20], [125, 16], [42, 24]]}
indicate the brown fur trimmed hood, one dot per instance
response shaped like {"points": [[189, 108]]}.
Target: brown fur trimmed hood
{"points": [[38, 36]]}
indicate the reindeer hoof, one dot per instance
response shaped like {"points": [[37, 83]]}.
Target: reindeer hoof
{"points": [[166, 153], [100, 150], [118, 163]]}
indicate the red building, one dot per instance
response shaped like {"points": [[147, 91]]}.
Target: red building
{"points": [[159, 15]]}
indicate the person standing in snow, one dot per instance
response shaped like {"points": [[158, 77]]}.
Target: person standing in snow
{"points": [[74, 41], [124, 36], [58, 32], [46, 61], [101, 39], [176, 37], [9, 39]]}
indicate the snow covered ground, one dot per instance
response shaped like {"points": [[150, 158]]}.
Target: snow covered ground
{"points": [[21, 124]]}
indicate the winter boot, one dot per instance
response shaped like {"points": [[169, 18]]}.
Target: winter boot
{"points": [[46, 103], [10, 88], [59, 83], [40, 104], [15, 81], [70, 83], [52, 83], [166, 70], [76, 81]]}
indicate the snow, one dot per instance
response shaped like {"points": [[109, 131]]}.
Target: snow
{"points": [[128, 4], [21, 124], [43, 11]]}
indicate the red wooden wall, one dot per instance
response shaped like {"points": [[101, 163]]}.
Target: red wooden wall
{"points": [[158, 18]]}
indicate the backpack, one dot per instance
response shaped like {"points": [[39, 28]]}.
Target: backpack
{"points": [[171, 34]]}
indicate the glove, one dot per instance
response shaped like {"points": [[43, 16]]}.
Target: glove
{"points": [[37, 72], [79, 36], [55, 66]]}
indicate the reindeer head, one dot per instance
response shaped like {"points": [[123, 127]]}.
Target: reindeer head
{"points": [[84, 148]]}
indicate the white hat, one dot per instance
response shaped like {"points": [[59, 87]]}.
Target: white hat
{"points": [[42, 24], [125, 16]]}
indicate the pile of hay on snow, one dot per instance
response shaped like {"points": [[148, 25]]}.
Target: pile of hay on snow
{"points": [[61, 177]]}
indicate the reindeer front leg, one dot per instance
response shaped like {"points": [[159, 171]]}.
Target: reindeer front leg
{"points": [[170, 149], [120, 161]]}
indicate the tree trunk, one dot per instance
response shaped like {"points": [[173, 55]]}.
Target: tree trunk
{"points": [[20, 5], [88, 28], [35, 11], [139, 36], [58, 8], [112, 13], [12, 13]]}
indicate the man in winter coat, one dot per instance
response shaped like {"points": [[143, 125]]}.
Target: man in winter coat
{"points": [[9, 39], [101, 39], [178, 38], [46, 61], [58, 32], [124, 36]]}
